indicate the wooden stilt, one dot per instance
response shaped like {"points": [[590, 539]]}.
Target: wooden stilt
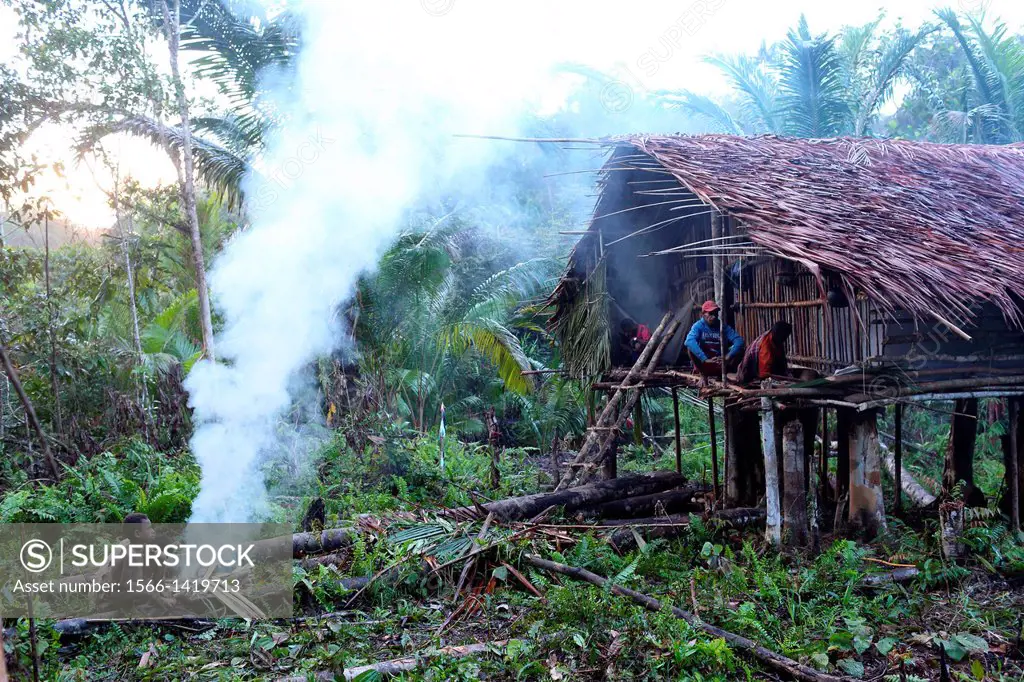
{"points": [[679, 444], [963, 432], [773, 521], [898, 454], [844, 417], [1013, 473], [714, 449], [794, 509], [867, 505], [826, 443]]}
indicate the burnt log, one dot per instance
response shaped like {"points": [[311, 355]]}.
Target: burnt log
{"points": [[665, 502], [572, 499], [675, 526]]}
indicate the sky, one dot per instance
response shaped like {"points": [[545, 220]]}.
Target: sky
{"points": [[647, 45]]}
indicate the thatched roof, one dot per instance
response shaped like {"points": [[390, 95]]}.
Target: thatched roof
{"points": [[929, 228]]}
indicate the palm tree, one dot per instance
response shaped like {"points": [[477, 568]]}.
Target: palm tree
{"points": [[809, 85], [994, 110], [431, 309]]}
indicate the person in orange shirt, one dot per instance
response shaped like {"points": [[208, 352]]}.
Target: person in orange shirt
{"points": [[766, 356]]}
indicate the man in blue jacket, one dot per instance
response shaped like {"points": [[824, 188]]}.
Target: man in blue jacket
{"points": [[704, 343]]}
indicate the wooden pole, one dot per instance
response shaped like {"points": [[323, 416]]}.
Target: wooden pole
{"points": [[773, 521], [679, 444], [714, 449], [867, 506], [844, 417], [795, 505], [1014, 463], [898, 454], [959, 466], [826, 444]]}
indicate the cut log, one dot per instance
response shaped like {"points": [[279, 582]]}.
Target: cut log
{"points": [[900, 575], [572, 499], [769, 658], [914, 491], [665, 502], [676, 526], [336, 559], [329, 540]]}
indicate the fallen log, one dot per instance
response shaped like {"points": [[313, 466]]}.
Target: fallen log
{"points": [[624, 539], [572, 499], [399, 666], [911, 488], [665, 502], [900, 575], [328, 540], [336, 559], [771, 659]]}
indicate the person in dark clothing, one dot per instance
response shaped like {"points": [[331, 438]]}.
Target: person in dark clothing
{"points": [[704, 342], [766, 356], [633, 338]]}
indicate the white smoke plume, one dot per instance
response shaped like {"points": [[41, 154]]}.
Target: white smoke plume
{"points": [[378, 94]]}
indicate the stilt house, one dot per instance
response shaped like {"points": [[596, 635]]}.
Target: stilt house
{"points": [[900, 266]]}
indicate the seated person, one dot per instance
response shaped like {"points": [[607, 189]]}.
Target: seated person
{"points": [[766, 356], [704, 343], [633, 338]]}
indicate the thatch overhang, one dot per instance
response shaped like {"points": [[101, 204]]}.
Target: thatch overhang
{"points": [[934, 230]]}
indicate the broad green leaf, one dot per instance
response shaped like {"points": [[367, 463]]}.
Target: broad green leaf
{"points": [[861, 643], [852, 668], [973, 643], [820, 660], [885, 645], [954, 649]]}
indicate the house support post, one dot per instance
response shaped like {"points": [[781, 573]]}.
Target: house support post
{"points": [[1014, 459], [898, 455], [867, 505], [773, 521], [794, 510], [824, 489], [714, 449], [963, 432], [744, 463], [679, 444], [844, 419]]}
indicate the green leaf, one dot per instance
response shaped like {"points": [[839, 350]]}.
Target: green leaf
{"points": [[852, 668], [580, 640], [978, 670], [820, 660], [973, 643], [885, 645], [861, 643], [368, 676], [954, 649], [500, 573]]}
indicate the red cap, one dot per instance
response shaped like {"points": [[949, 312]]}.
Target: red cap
{"points": [[709, 307]]}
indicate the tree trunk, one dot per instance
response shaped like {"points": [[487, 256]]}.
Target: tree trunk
{"points": [[51, 320], [30, 411], [867, 505], [795, 504], [571, 499], [963, 432], [744, 460], [186, 174], [655, 504], [773, 524]]}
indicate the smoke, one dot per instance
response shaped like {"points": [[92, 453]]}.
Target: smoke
{"points": [[371, 111]]}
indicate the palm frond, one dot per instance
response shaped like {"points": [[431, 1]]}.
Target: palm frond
{"points": [[812, 97], [758, 86], [702, 106]]}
